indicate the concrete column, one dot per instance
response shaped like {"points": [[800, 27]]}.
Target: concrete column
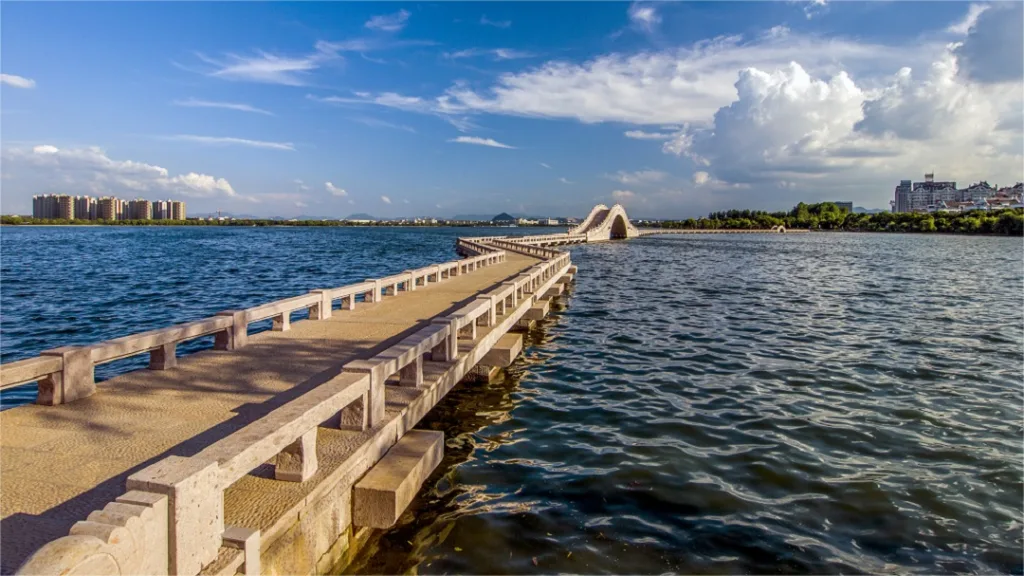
{"points": [[469, 331], [323, 310], [376, 289], [237, 336], [75, 380], [448, 349], [491, 318], [297, 462], [163, 357], [412, 374], [348, 302], [195, 506], [515, 293], [282, 322]]}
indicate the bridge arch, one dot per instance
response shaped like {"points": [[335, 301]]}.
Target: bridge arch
{"points": [[620, 227]]}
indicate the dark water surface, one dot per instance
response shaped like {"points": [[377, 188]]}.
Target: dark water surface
{"points": [[705, 404]]}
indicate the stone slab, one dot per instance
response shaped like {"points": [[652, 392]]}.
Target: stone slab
{"points": [[505, 351], [381, 496]]}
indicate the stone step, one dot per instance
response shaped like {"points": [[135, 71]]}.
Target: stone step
{"points": [[504, 351], [380, 496]]}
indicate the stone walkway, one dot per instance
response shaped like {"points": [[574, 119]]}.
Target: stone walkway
{"points": [[58, 463]]}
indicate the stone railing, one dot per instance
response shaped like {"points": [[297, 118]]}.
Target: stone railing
{"points": [[68, 373], [171, 519]]}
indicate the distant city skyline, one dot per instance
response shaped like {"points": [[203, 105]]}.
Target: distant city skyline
{"points": [[673, 109]]}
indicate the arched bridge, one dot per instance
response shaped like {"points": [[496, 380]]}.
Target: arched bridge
{"points": [[603, 224]]}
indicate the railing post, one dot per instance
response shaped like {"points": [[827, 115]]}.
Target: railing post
{"points": [[356, 416], [491, 318], [376, 289], [163, 357], [282, 322], [448, 349], [236, 336], [412, 373], [321, 311], [75, 380], [374, 404], [297, 462]]}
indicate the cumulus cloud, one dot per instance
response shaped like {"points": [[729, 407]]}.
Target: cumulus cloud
{"points": [[638, 177], [334, 190], [389, 22], [385, 199], [301, 204], [90, 170], [815, 8], [623, 195], [676, 86], [993, 51], [700, 177], [230, 141], [194, 103], [17, 81], [480, 142]]}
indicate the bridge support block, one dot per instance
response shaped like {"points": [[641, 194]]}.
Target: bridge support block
{"points": [[297, 462], [483, 374]]}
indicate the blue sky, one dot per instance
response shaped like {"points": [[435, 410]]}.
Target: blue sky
{"points": [[673, 109]]}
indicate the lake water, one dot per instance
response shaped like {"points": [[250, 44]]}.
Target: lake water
{"points": [[704, 404]]}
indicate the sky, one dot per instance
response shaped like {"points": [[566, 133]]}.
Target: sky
{"points": [[325, 109]]}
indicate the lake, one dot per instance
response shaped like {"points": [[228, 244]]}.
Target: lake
{"points": [[813, 403]]}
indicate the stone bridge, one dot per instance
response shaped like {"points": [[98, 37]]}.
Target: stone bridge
{"points": [[271, 452]]}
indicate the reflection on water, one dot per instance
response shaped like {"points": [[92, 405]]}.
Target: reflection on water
{"points": [[810, 404]]}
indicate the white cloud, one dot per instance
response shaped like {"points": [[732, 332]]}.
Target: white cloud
{"points": [[565, 180], [385, 199], [90, 170], [405, 201], [638, 177], [17, 81], [270, 68], [993, 51], [376, 122], [480, 142], [301, 184], [230, 141], [194, 103], [389, 22], [334, 190], [496, 23], [545, 165], [643, 16], [623, 195], [964, 26], [641, 135], [675, 86], [301, 204], [701, 177]]}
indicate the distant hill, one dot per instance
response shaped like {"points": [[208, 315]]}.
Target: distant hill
{"points": [[861, 210], [360, 216], [476, 217]]}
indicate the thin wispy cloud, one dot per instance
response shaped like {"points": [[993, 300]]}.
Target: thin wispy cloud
{"points": [[268, 68], [970, 19], [195, 103], [644, 16], [385, 199], [301, 184], [495, 53], [484, 20], [388, 22], [377, 123], [230, 141], [438, 107], [480, 142], [545, 165], [641, 135], [565, 180], [17, 81]]}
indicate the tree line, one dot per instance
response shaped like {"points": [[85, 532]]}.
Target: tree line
{"points": [[828, 216]]}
